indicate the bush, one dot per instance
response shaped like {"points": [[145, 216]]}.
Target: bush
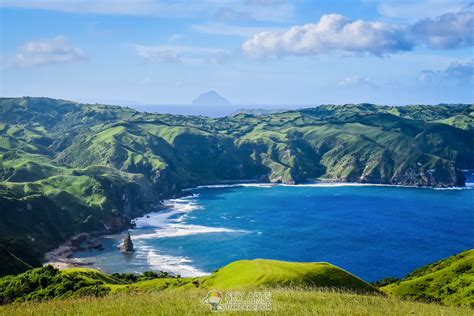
{"points": [[47, 283]]}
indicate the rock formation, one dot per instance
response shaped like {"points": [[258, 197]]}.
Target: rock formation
{"points": [[127, 244]]}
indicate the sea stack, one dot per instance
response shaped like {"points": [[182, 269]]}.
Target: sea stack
{"points": [[127, 244]]}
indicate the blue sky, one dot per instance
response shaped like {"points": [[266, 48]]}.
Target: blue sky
{"points": [[250, 51]]}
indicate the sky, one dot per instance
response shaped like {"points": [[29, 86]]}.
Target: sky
{"points": [[252, 52]]}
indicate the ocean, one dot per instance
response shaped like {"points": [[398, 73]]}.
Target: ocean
{"points": [[369, 230]]}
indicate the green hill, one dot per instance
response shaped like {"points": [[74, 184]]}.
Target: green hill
{"points": [[268, 273], [449, 281], [295, 289], [47, 282], [68, 168]]}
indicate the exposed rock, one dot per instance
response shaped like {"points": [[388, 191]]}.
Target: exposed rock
{"points": [[127, 244]]}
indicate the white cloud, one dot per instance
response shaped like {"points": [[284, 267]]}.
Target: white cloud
{"points": [[49, 51], [232, 9], [253, 10], [460, 72], [176, 37], [185, 54], [265, 2], [355, 80], [229, 30], [419, 9], [155, 54], [145, 81], [333, 32], [448, 31], [109, 7]]}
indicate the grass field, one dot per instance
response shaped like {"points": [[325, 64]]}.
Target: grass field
{"points": [[449, 281], [285, 301], [296, 288], [270, 273]]}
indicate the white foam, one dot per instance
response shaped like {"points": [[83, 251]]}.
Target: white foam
{"points": [[175, 207], [174, 265], [179, 230], [169, 224], [319, 185], [235, 185]]}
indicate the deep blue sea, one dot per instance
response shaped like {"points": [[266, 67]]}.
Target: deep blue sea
{"points": [[371, 231]]}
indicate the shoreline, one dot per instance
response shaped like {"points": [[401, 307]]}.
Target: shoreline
{"points": [[324, 183], [60, 257]]}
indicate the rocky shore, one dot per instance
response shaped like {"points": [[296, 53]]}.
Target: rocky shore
{"points": [[61, 257]]}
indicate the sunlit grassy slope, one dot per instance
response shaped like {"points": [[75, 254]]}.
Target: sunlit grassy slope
{"points": [[296, 289], [244, 274], [285, 301], [449, 281], [259, 272]]}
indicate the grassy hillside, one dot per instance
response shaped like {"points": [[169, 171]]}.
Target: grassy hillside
{"points": [[449, 281], [67, 168], [259, 272], [189, 302], [295, 289]]}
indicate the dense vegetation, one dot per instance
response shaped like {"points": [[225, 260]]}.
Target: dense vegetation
{"points": [[296, 288], [449, 281], [48, 283], [67, 168]]}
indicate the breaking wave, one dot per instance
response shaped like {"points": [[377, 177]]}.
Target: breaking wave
{"points": [[169, 224]]}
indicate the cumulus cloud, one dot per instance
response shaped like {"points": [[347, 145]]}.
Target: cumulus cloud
{"points": [[457, 72], [49, 51], [448, 31], [333, 32]]}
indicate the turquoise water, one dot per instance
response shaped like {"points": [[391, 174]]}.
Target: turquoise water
{"points": [[371, 231]]}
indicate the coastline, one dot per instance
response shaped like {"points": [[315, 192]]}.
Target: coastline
{"points": [[326, 183], [61, 257]]}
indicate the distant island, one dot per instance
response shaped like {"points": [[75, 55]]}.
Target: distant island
{"points": [[211, 98]]}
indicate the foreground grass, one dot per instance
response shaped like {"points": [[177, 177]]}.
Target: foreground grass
{"points": [[285, 301]]}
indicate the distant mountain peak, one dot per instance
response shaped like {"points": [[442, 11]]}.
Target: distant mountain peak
{"points": [[211, 98]]}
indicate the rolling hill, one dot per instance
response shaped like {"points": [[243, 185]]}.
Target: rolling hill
{"points": [[449, 281], [294, 288], [67, 168]]}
